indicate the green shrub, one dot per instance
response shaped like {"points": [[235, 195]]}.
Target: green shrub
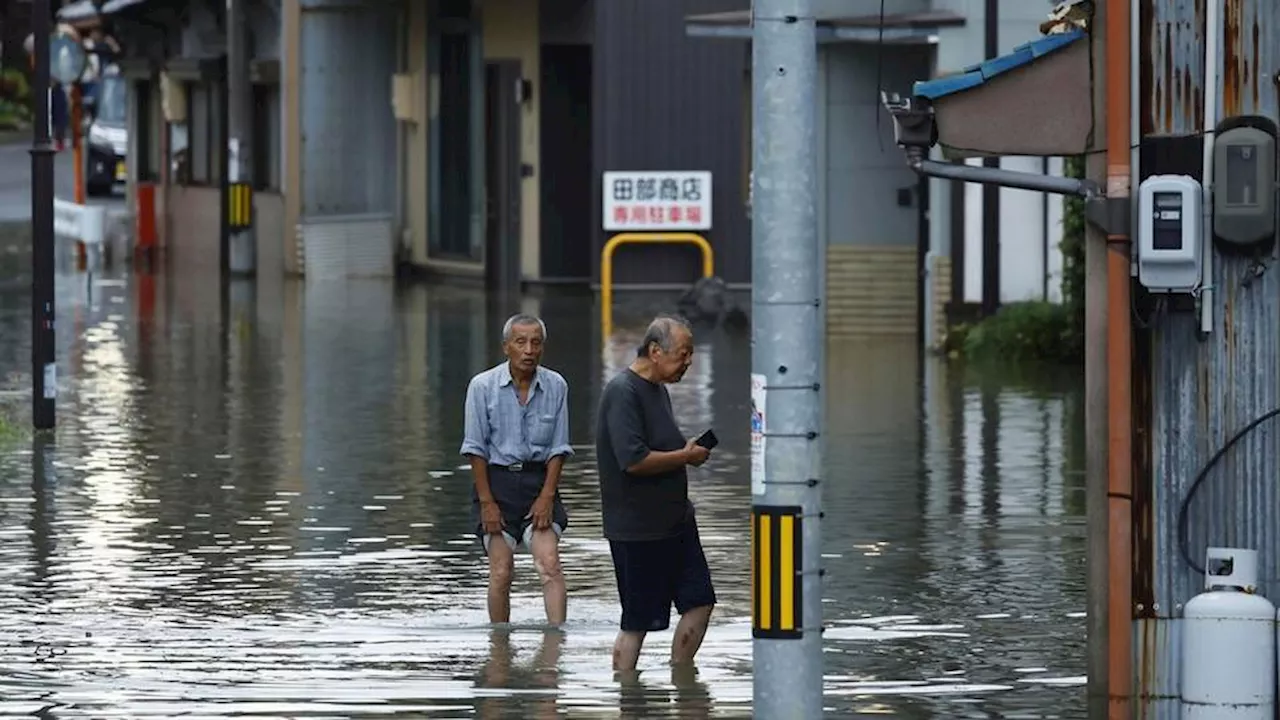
{"points": [[14, 86], [1038, 332], [1021, 332], [9, 429]]}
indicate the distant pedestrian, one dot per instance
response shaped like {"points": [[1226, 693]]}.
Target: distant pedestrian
{"points": [[517, 439], [644, 494]]}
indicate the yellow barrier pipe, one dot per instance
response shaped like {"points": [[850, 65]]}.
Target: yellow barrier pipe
{"points": [[606, 265]]}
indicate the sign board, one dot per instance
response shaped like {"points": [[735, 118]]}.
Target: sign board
{"points": [[657, 201], [67, 58], [757, 433]]}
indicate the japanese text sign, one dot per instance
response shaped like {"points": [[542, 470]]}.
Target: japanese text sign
{"points": [[657, 201]]}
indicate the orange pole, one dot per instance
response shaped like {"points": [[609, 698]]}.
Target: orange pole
{"points": [[77, 160], [77, 147], [1119, 380]]}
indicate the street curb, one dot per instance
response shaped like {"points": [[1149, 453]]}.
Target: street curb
{"points": [[15, 137]]}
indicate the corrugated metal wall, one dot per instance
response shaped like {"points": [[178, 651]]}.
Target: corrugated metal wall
{"points": [[349, 132], [349, 169], [664, 101], [1203, 391]]}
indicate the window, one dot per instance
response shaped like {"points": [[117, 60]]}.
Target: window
{"points": [[266, 137], [205, 138], [148, 143]]}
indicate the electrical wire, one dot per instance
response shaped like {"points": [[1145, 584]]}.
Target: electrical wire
{"points": [[1184, 534]]}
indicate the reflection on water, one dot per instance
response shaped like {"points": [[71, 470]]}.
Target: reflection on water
{"points": [[253, 506]]}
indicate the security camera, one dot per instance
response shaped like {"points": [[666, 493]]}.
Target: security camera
{"points": [[913, 125]]}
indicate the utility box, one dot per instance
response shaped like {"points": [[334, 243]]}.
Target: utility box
{"points": [[1037, 100]]}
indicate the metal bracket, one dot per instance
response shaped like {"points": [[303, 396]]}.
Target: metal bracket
{"points": [[807, 483], [1110, 215]]}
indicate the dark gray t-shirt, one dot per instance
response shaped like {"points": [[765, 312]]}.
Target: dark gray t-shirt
{"points": [[635, 417]]}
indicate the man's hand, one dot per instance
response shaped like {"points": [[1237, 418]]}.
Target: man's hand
{"points": [[540, 513], [695, 453], [491, 517]]}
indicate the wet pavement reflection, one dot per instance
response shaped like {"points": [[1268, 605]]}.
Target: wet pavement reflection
{"points": [[254, 506]]}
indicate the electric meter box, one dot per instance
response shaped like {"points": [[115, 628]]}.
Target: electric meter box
{"points": [[1244, 185], [1170, 233]]}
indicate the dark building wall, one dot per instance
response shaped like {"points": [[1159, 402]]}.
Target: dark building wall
{"points": [[665, 101]]}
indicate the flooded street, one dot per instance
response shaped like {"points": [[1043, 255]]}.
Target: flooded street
{"points": [[254, 507]]}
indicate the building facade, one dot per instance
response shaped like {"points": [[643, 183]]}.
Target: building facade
{"points": [[904, 253], [455, 137]]}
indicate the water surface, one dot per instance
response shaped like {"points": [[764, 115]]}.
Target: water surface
{"points": [[253, 506]]}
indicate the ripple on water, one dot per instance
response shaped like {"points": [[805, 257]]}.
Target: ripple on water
{"points": [[268, 518]]}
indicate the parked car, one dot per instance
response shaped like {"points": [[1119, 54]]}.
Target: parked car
{"points": [[107, 136]]}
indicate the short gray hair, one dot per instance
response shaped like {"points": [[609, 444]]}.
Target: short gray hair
{"points": [[662, 331], [522, 319]]}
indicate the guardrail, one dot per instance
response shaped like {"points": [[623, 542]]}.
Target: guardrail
{"points": [[606, 265], [93, 226], [86, 223]]}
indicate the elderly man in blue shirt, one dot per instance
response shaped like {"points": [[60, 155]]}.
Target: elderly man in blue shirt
{"points": [[517, 439]]}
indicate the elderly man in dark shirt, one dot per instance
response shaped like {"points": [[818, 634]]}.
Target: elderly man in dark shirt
{"points": [[644, 493]]}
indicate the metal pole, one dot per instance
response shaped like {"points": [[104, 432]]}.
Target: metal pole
{"points": [[243, 250], [44, 387], [1097, 502], [788, 343]]}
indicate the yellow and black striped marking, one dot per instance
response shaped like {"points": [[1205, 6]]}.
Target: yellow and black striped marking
{"points": [[776, 587], [239, 206]]}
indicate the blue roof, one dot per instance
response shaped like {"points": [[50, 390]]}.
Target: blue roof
{"points": [[975, 75]]}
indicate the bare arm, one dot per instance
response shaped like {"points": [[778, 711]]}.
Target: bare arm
{"points": [[480, 474], [475, 439], [657, 462]]}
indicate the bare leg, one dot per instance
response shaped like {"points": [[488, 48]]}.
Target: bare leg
{"points": [[544, 545], [501, 562], [689, 633], [626, 650]]}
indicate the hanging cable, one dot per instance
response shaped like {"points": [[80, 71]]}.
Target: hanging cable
{"points": [[1184, 533]]}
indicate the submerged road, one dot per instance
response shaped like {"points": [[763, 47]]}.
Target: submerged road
{"points": [[264, 514], [15, 181]]}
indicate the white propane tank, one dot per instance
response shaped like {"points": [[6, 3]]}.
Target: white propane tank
{"points": [[1229, 643]]}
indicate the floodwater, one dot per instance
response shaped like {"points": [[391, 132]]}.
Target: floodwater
{"points": [[253, 507]]}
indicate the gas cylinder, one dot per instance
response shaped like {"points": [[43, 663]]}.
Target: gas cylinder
{"points": [[1229, 643]]}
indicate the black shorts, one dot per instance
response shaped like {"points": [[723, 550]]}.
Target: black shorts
{"points": [[515, 494], [654, 574]]}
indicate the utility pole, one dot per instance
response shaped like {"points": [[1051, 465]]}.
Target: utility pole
{"points": [[44, 375], [242, 248], [788, 342]]}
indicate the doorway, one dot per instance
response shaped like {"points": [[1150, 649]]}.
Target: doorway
{"points": [[502, 174], [566, 186], [453, 53]]}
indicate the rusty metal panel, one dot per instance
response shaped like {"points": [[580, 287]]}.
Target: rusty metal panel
{"points": [[1171, 66], [1204, 390], [1159, 642]]}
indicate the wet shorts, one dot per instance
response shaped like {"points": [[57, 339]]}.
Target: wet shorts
{"points": [[515, 493], [654, 574]]}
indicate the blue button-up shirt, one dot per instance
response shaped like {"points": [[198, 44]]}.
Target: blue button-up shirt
{"points": [[504, 432]]}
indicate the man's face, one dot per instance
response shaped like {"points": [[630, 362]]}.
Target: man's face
{"points": [[524, 348], [671, 366]]}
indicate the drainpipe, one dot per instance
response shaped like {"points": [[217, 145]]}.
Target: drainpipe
{"points": [[992, 272], [1119, 368], [1211, 42], [1045, 251]]}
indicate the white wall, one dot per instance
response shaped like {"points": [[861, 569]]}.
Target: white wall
{"points": [[1030, 227], [865, 170]]}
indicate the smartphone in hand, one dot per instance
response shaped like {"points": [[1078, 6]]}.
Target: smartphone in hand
{"points": [[708, 439]]}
